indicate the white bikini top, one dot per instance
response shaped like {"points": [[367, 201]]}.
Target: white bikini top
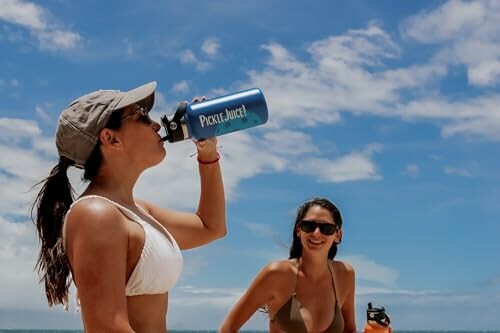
{"points": [[160, 263]]}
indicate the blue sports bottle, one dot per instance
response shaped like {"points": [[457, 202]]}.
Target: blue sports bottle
{"points": [[217, 116]]}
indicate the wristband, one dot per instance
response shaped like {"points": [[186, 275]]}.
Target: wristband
{"points": [[208, 162]]}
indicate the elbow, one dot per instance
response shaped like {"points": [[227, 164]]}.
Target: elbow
{"points": [[220, 233], [223, 231], [214, 234], [219, 230]]}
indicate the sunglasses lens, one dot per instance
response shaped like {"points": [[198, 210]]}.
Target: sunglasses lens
{"points": [[325, 228], [307, 226]]}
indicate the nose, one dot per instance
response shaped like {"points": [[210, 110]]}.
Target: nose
{"points": [[317, 231]]}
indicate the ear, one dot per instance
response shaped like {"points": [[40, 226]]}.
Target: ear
{"points": [[338, 239], [109, 139]]}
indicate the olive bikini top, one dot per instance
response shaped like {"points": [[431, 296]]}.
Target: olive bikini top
{"points": [[289, 319]]}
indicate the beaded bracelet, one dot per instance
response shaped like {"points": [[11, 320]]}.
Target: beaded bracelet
{"points": [[208, 162]]}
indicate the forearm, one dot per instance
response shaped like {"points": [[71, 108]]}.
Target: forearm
{"points": [[226, 329], [212, 204]]}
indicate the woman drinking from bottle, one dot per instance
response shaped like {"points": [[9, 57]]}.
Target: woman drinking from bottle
{"points": [[122, 253]]}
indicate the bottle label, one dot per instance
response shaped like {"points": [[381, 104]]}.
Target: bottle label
{"points": [[226, 114], [221, 117]]}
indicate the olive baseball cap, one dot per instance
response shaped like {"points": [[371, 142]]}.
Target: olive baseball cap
{"points": [[80, 123]]}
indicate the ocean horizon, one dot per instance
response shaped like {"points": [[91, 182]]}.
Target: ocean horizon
{"points": [[243, 331]]}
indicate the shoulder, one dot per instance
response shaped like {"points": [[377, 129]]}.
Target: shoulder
{"points": [[343, 268], [280, 268], [96, 235], [276, 277], [95, 214]]}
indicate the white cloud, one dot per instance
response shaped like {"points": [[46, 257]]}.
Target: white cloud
{"points": [[39, 22], [469, 32], [485, 73], [57, 39], [479, 116], [457, 171], [345, 74], [23, 163], [243, 156], [368, 270], [16, 129], [18, 256], [129, 47], [181, 87], [23, 13], [412, 170], [188, 57], [356, 47], [211, 47], [10, 83], [288, 142], [449, 21], [350, 167], [40, 111]]}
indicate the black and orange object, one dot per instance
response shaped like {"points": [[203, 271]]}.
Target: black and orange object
{"points": [[377, 320]]}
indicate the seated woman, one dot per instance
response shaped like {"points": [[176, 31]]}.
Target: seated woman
{"points": [[309, 292]]}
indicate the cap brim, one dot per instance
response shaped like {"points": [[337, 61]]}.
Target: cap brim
{"points": [[143, 95]]}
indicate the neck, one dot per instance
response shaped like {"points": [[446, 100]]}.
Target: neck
{"points": [[114, 184], [314, 267]]}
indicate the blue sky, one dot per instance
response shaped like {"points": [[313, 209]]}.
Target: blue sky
{"points": [[388, 108]]}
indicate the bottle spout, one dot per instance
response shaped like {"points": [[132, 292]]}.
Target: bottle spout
{"points": [[175, 127]]}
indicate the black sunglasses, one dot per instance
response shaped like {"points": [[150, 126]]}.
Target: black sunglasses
{"points": [[309, 226], [143, 115]]}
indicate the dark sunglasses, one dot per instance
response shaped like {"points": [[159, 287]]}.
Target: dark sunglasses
{"points": [[309, 226], [143, 115]]}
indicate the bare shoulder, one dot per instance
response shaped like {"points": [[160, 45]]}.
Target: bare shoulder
{"points": [[280, 269], [281, 266], [343, 268], [95, 215], [276, 278]]}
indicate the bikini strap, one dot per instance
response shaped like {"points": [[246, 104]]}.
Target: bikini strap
{"points": [[296, 277], [130, 214], [333, 282]]}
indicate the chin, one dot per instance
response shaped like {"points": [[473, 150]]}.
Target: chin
{"points": [[153, 161], [160, 155], [158, 160]]}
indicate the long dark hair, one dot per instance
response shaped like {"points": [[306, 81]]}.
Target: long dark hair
{"points": [[296, 248], [51, 205]]}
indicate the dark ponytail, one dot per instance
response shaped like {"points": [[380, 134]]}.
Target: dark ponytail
{"points": [[51, 205], [296, 248]]}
